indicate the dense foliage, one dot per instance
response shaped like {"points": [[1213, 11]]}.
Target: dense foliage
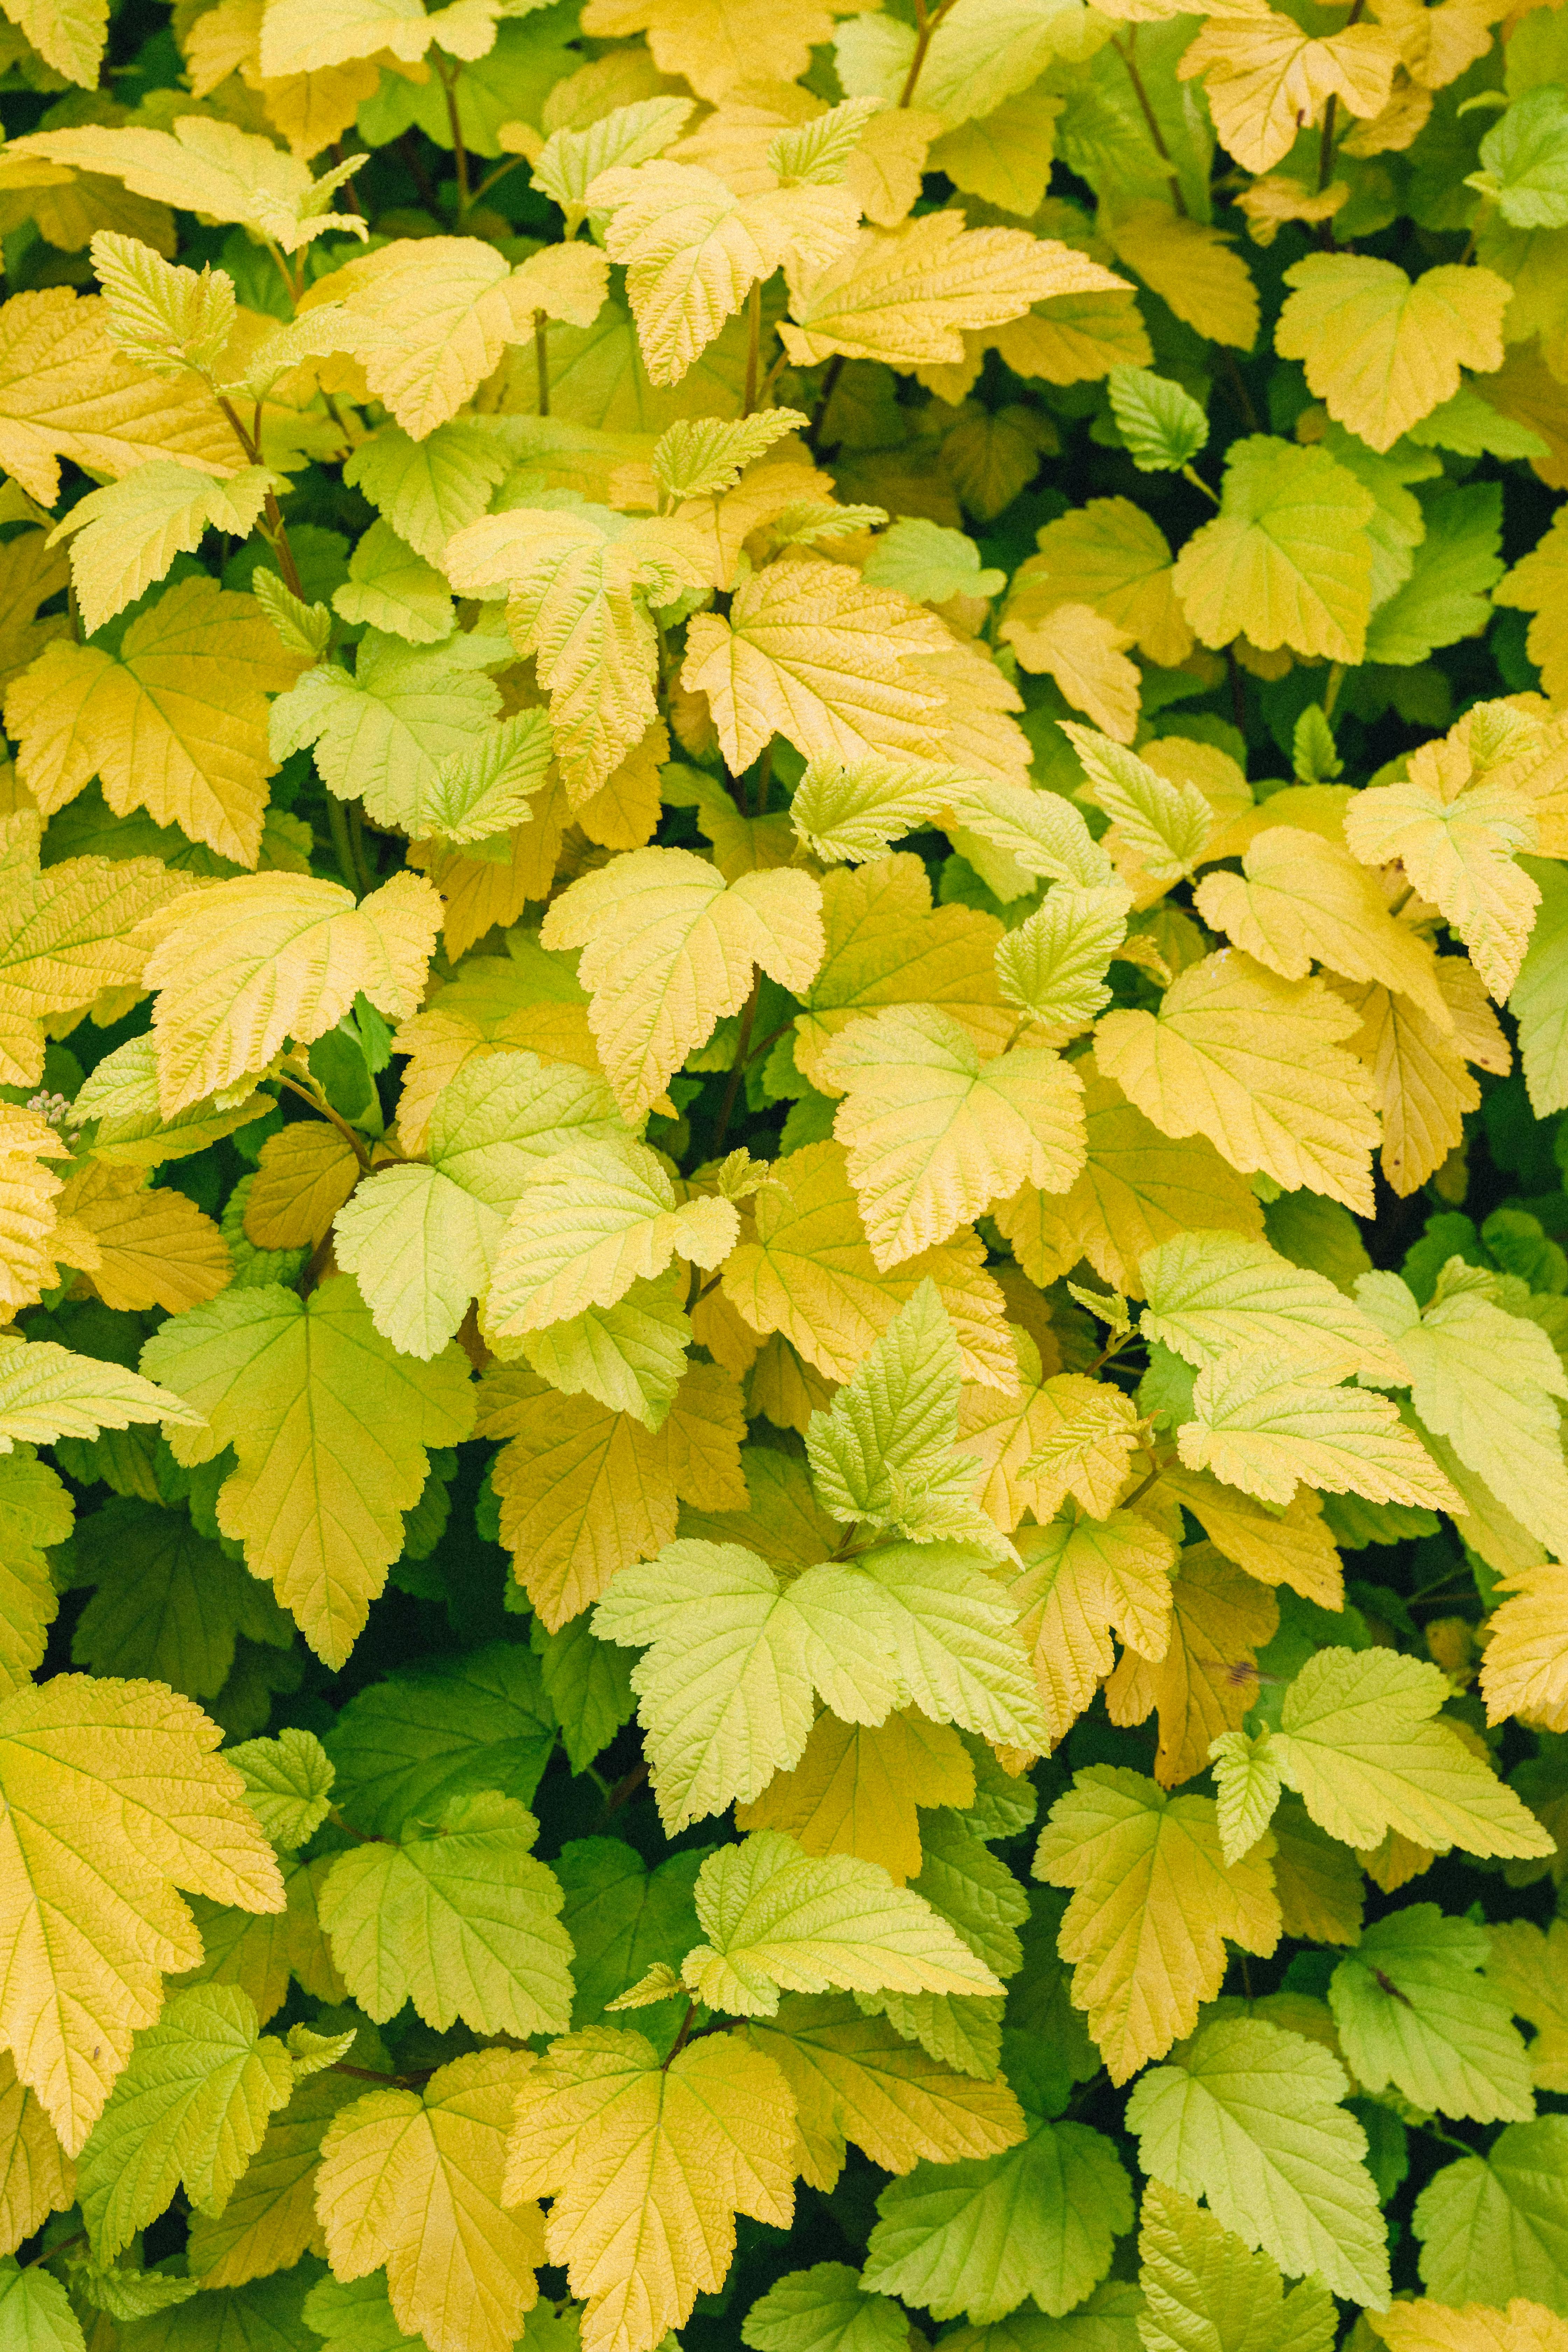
{"points": [[784, 1054]]}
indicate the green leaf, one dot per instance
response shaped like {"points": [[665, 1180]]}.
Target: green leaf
{"points": [[417, 1738], [1247, 2116], [778, 1918], [824, 2309], [588, 1681], [287, 1784], [725, 1687], [624, 1919], [355, 2316], [1211, 1293], [1448, 594], [981, 2236], [1054, 967], [35, 2311], [1205, 2293], [1525, 159], [392, 588], [192, 2106], [169, 1604], [458, 1918], [1496, 2226], [46, 1392], [36, 1512], [428, 490], [931, 563], [1163, 426], [1539, 1000], [1414, 2010], [630, 1356]]}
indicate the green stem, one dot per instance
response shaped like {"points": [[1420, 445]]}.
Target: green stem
{"points": [[491, 178], [542, 361], [357, 847], [355, 1141], [753, 345], [1151, 119], [449, 82], [737, 1068], [1331, 112], [343, 849]]}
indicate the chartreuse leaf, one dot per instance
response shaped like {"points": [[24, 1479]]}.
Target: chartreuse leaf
{"points": [[415, 2179], [191, 2106], [330, 1428], [1163, 426], [1286, 561], [211, 167], [775, 1917], [1163, 825], [36, 1512], [824, 2309], [1494, 2227], [1212, 1293], [1265, 1434], [113, 1797], [1431, 2327], [1054, 967], [1249, 2116], [725, 1687], [124, 537], [1152, 1905], [1358, 1741], [47, 1392], [1381, 351], [287, 1784], [698, 458], [1414, 2009], [459, 1918], [1204, 2292], [36, 2310], [411, 1741], [685, 2147]]}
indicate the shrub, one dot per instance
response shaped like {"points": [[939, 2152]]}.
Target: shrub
{"points": [[784, 1016]]}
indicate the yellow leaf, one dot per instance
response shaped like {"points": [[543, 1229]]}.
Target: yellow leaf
{"points": [[585, 1491], [693, 250], [1267, 80], [906, 295], [1427, 2326], [1153, 1906], [113, 1797], [415, 2180], [714, 44], [1258, 1427], [31, 571], [1139, 1187], [1085, 1579], [1206, 1677], [1528, 1968], [207, 166], [1269, 203], [1524, 1668], [1381, 351], [495, 1003], [270, 2219], [1304, 899], [1291, 1546], [804, 1266], [1285, 562], [1258, 1064], [855, 2078], [1085, 652], [1538, 584], [1193, 269], [175, 722], [153, 1248], [248, 963], [1005, 158], [1086, 1451], [303, 1176], [65, 391], [1424, 1089], [648, 2167], [1456, 831], [810, 651], [1109, 554], [856, 1788], [36, 2177], [1072, 337], [596, 1218], [935, 1135], [668, 951]]}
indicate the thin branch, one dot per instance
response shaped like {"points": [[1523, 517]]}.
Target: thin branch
{"points": [[926, 23], [753, 345], [1146, 108], [678, 2045], [542, 361], [459, 152], [737, 1068], [320, 1104], [1326, 144]]}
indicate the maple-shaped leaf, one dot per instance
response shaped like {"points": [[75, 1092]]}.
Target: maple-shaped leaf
{"points": [[1202, 2285], [1260, 1065], [1085, 654], [1265, 1430], [724, 1713], [809, 650], [165, 318], [982, 2236], [824, 2306], [168, 1604], [1248, 2116], [1431, 2326], [693, 250], [777, 1917], [1110, 555], [1414, 2010], [856, 1788], [175, 722], [330, 1428], [1486, 1380], [66, 391], [1491, 2225], [1525, 1669], [125, 536], [407, 1744], [1384, 351], [140, 1247], [39, 2176], [906, 295], [1193, 269], [1164, 826], [686, 2146], [1205, 1678], [211, 167], [113, 1799], [854, 809], [47, 1392], [34, 2309], [581, 582], [1283, 561], [459, 1918], [423, 1241], [1457, 832], [287, 1784], [1265, 78], [982, 1128], [415, 2179], [246, 964], [714, 44], [595, 1218], [192, 2106], [1359, 1741], [1153, 1903], [303, 1176], [855, 2078], [1300, 897], [668, 950], [1083, 1579], [1210, 1293], [1054, 967]]}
